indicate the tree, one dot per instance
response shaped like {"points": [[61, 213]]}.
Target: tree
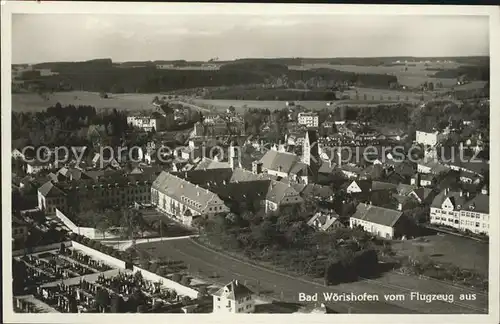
{"points": [[117, 304], [102, 299]]}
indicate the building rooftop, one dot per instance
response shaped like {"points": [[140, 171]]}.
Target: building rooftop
{"points": [[377, 215], [234, 291], [478, 203]]}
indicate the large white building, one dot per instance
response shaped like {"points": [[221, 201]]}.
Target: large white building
{"points": [[234, 298], [429, 138], [462, 211], [309, 119], [147, 123], [383, 222]]}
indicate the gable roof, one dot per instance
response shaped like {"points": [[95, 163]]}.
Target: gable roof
{"points": [[405, 189], [48, 189], [190, 194], [234, 291], [377, 215], [207, 163], [280, 161], [380, 186], [422, 193], [324, 220]]}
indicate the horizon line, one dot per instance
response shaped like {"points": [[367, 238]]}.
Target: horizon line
{"points": [[266, 58]]}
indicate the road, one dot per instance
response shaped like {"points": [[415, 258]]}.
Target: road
{"points": [[204, 261]]}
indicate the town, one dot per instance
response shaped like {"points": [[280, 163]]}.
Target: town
{"points": [[209, 188]]}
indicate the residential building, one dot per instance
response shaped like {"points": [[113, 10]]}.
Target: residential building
{"points": [[107, 187], [147, 123], [234, 298], [462, 211], [181, 199], [309, 119], [17, 154], [325, 221], [214, 190], [35, 167], [383, 222], [429, 138]]}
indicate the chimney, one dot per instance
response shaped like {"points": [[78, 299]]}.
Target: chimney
{"points": [[236, 282], [400, 206], [461, 193]]}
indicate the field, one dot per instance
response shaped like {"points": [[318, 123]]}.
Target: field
{"points": [[126, 101], [241, 105], [464, 253], [414, 76]]}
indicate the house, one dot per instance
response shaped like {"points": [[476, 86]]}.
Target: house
{"points": [[462, 211], [351, 170], [423, 179], [470, 177], [50, 198], [431, 166], [429, 138], [234, 298], [325, 221], [109, 187], [383, 222], [19, 231], [35, 166], [17, 154], [309, 119], [422, 195], [184, 200]]}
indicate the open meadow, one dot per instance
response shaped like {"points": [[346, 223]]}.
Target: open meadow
{"points": [[125, 101]]}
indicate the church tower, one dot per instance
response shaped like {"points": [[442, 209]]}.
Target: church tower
{"points": [[234, 156]]}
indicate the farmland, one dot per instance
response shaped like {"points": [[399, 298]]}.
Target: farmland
{"points": [[35, 102], [416, 74]]}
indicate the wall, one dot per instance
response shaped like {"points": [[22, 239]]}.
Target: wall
{"points": [[180, 289], [99, 255], [37, 249], [66, 221], [89, 232]]}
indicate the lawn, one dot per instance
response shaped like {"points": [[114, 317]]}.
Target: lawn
{"points": [[462, 252], [126, 101]]}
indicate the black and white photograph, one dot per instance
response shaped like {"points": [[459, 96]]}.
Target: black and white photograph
{"points": [[225, 159]]}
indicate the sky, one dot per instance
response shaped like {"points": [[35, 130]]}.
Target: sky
{"points": [[77, 37]]}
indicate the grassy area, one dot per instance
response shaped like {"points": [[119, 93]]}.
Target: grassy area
{"points": [[125, 101], [462, 252]]}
